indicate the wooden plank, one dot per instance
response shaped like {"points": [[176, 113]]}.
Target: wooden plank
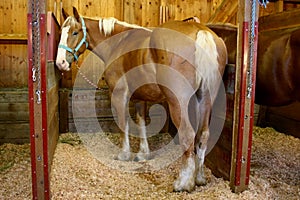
{"points": [[132, 11], [119, 9], [107, 125], [18, 21], [53, 36], [204, 10], [283, 123], [100, 101], [13, 37], [218, 160], [215, 5], [68, 6], [150, 14], [52, 118], [63, 110], [128, 11], [225, 12], [219, 165], [292, 1], [15, 76], [284, 118], [53, 75], [89, 105], [13, 105], [103, 8], [13, 41], [279, 21], [14, 109], [13, 55], [279, 6], [20, 132], [6, 10], [13, 96], [53, 101], [14, 112]]}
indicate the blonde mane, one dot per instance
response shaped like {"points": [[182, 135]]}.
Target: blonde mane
{"points": [[106, 25]]}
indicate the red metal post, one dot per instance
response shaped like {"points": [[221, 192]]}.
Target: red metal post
{"points": [[37, 92], [245, 93], [31, 106], [43, 29]]}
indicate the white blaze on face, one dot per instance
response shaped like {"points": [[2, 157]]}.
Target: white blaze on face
{"points": [[61, 60]]}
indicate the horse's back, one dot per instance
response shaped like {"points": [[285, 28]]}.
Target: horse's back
{"points": [[192, 50]]}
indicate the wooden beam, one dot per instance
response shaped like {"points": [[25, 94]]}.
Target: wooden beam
{"points": [[287, 1], [13, 38], [225, 12], [279, 21], [279, 6], [292, 1]]}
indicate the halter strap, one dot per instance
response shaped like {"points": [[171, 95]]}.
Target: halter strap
{"points": [[83, 40]]}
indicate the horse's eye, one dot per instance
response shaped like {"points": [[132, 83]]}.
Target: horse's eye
{"points": [[75, 33]]}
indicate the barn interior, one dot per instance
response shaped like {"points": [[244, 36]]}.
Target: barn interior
{"points": [[283, 123]]}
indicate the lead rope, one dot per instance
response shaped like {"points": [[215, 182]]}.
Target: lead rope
{"points": [[87, 79], [36, 72], [252, 49], [263, 3]]}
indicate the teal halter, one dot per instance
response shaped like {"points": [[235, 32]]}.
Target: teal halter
{"points": [[83, 40]]}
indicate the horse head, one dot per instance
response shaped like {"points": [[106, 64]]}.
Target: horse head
{"points": [[74, 40]]}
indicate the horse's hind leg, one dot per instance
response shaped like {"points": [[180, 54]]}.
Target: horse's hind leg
{"points": [[202, 138], [144, 152], [186, 179]]}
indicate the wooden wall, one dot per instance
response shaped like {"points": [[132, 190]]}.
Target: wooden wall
{"points": [[141, 12], [13, 48], [13, 52], [14, 108]]}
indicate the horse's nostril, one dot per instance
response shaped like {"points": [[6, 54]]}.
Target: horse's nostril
{"points": [[63, 62]]}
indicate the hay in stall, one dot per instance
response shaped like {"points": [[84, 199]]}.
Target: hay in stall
{"points": [[76, 174]]}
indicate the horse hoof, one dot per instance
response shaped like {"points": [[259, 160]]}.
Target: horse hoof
{"points": [[124, 156], [180, 187], [142, 157], [200, 180]]}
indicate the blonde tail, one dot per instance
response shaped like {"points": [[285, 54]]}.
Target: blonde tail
{"points": [[206, 61]]}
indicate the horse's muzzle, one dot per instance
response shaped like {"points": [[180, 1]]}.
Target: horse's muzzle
{"points": [[63, 65]]}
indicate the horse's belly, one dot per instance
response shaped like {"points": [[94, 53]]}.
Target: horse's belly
{"points": [[148, 92]]}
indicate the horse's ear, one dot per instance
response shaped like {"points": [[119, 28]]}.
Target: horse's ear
{"points": [[76, 15], [64, 14]]}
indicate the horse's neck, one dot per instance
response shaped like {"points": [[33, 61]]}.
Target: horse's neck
{"points": [[97, 38], [114, 44]]}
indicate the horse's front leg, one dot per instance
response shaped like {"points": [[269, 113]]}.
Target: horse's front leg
{"points": [[119, 102], [144, 152]]}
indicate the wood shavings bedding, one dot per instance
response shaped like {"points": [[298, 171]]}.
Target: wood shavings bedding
{"points": [[76, 174]]}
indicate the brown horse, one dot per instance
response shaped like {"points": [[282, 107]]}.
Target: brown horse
{"points": [[277, 81], [278, 63], [180, 63]]}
